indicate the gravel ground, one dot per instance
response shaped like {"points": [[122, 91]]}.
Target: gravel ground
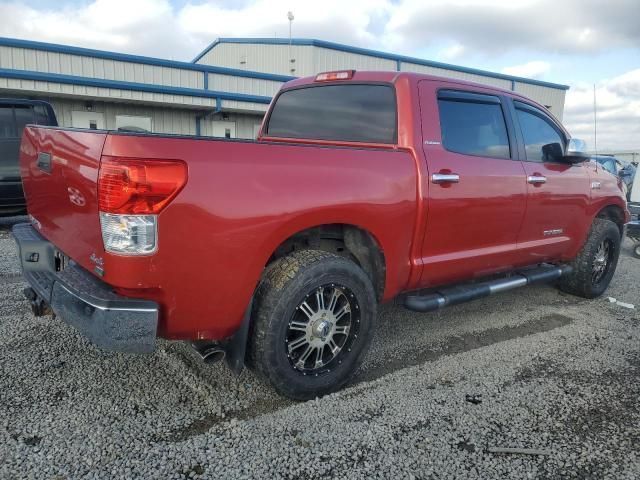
{"points": [[548, 371]]}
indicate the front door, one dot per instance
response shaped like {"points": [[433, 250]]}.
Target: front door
{"points": [[476, 185], [558, 192]]}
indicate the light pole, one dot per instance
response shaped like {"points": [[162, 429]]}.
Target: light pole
{"points": [[290, 17]]}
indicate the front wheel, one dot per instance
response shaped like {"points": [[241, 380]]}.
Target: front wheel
{"points": [[596, 263], [312, 324]]}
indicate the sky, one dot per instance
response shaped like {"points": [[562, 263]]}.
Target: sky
{"points": [[580, 43]]}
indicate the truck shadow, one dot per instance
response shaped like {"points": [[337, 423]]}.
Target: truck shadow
{"points": [[403, 339]]}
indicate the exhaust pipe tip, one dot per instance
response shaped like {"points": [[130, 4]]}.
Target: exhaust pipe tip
{"points": [[39, 307], [213, 355], [209, 352]]}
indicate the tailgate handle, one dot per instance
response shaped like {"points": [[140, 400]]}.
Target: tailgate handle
{"points": [[44, 162]]}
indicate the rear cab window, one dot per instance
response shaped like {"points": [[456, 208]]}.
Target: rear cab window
{"points": [[473, 124], [344, 113]]}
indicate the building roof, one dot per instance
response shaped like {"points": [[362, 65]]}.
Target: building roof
{"points": [[374, 53], [125, 57]]}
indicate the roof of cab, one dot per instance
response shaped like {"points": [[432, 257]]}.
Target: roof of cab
{"points": [[393, 77]]}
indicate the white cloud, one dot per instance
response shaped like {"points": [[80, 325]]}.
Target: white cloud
{"points": [[492, 26], [466, 26], [147, 27], [155, 27], [335, 20], [461, 29], [451, 53], [533, 69], [618, 112]]}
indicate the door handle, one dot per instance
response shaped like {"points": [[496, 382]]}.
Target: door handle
{"points": [[445, 178], [536, 179]]}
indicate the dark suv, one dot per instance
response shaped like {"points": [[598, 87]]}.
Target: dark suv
{"points": [[14, 115]]}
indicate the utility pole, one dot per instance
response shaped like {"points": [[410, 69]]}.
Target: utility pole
{"points": [[290, 17]]}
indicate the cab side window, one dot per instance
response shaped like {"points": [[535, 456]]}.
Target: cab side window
{"points": [[473, 124], [41, 115], [543, 142], [7, 122], [24, 116]]}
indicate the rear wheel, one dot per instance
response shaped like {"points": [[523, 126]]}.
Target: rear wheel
{"points": [[636, 251], [313, 322], [596, 263]]}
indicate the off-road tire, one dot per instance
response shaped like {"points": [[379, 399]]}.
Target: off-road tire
{"points": [[580, 281], [284, 286]]}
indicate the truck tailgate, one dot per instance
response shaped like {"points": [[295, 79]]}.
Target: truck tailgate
{"points": [[59, 169]]}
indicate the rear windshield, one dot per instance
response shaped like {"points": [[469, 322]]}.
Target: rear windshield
{"points": [[353, 113]]}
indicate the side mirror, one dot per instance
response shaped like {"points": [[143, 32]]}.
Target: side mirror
{"points": [[552, 152], [576, 151]]}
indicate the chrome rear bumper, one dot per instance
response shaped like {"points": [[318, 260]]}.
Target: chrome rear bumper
{"points": [[108, 320]]}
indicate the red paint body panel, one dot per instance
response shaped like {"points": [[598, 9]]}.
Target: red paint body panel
{"points": [[561, 203], [243, 199], [64, 202], [472, 226]]}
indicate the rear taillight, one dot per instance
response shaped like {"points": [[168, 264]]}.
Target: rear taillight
{"points": [[131, 193], [139, 186]]}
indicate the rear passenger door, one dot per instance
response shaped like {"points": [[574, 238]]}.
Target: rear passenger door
{"points": [[557, 191], [476, 185]]}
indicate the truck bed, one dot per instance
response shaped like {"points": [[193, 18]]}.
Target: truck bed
{"points": [[241, 199]]}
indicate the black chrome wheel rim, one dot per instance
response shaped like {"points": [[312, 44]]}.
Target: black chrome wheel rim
{"points": [[322, 329], [602, 261]]}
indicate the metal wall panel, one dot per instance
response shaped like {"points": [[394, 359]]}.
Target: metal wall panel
{"points": [[252, 86], [468, 77], [53, 62], [163, 120], [309, 60], [245, 124], [549, 97], [245, 106], [262, 58], [327, 60], [34, 87]]}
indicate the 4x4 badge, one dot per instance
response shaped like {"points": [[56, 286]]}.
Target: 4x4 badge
{"points": [[98, 262]]}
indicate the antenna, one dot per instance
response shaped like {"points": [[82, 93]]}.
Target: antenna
{"points": [[595, 121]]}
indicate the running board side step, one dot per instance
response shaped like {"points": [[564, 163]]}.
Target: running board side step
{"points": [[446, 296]]}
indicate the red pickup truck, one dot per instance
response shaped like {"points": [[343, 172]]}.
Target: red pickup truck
{"points": [[363, 187]]}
